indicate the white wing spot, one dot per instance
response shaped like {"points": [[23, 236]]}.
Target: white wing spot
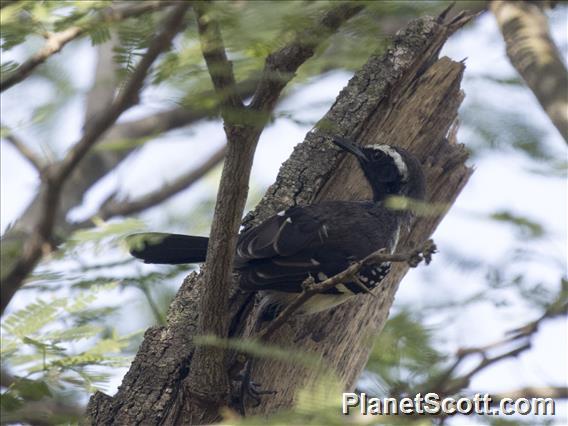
{"points": [[314, 262], [249, 246], [289, 220], [322, 276], [282, 213]]}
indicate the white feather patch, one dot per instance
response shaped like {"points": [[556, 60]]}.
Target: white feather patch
{"points": [[397, 158]]}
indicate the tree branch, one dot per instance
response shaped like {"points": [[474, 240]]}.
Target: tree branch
{"points": [[311, 288], [56, 41], [281, 65], [112, 207], [406, 96], [220, 68], [56, 174], [208, 379], [25, 151], [413, 258], [97, 164], [102, 91], [535, 56], [448, 385]]}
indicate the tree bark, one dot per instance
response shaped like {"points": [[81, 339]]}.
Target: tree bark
{"points": [[535, 56], [406, 97]]}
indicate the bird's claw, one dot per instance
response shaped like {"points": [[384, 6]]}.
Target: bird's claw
{"points": [[247, 390]]}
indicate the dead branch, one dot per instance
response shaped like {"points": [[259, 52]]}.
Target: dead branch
{"points": [[406, 96], [311, 288], [56, 41], [56, 174], [413, 258], [535, 56]]}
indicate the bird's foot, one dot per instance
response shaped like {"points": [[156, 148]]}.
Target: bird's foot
{"points": [[245, 390]]}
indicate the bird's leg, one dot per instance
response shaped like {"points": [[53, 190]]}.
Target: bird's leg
{"points": [[248, 389], [363, 287]]}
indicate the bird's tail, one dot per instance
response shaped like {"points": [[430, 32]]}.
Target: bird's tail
{"points": [[173, 249]]}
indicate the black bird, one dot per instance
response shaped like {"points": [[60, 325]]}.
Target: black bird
{"points": [[318, 240]]}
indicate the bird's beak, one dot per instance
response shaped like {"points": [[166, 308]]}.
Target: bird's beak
{"points": [[348, 146]]}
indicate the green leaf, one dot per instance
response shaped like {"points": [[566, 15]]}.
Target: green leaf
{"points": [[527, 228], [10, 402], [99, 34], [31, 390], [33, 317], [73, 334]]}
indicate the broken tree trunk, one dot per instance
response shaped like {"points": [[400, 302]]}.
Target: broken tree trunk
{"points": [[406, 97]]}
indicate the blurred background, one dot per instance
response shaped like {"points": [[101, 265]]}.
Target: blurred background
{"points": [[80, 317]]}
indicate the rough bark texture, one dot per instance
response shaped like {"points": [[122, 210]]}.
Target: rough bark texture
{"points": [[535, 56], [406, 97]]}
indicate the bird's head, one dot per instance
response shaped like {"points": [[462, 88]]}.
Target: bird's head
{"points": [[390, 170]]}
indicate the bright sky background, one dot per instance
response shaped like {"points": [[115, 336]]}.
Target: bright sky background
{"points": [[499, 182]]}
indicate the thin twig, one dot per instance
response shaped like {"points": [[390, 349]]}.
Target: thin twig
{"points": [[56, 41], [485, 362], [112, 208], [56, 174], [448, 385], [160, 317], [26, 152], [311, 288], [127, 97], [281, 66]]}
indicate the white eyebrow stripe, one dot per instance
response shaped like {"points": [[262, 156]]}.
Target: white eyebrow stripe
{"points": [[397, 158]]}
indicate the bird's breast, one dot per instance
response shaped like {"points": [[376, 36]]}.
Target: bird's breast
{"points": [[317, 303]]}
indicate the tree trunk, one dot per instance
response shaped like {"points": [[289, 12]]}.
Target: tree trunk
{"points": [[406, 97]]}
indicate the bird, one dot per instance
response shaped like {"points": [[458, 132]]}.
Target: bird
{"points": [[318, 240]]}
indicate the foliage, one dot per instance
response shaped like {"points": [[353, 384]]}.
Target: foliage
{"points": [[69, 345], [66, 346], [51, 348]]}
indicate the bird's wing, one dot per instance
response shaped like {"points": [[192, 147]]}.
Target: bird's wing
{"points": [[288, 273], [284, 234], [283, 251]]}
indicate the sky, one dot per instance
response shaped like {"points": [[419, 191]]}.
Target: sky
{"points": [[500, 181]]}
